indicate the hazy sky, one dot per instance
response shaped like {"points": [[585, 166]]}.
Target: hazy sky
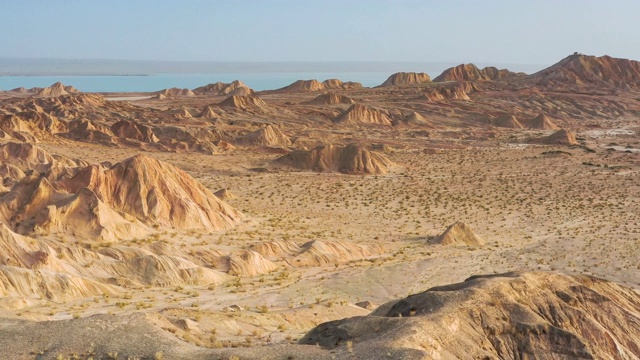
{"points": [[487, 31]]}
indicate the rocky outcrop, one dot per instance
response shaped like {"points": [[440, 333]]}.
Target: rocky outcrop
{"points": [[233, 88], [55, 90], [447, 92], [360, 114], [459, 234], [470, 72], [133, 130], [315, 85], [175, 92], [584, 70], [116, 203], [560, 137], [507, 121], [350, 159], [541, 122], [331, 99], [239, 102], [269, 136], [512, 315], [406, 78]]}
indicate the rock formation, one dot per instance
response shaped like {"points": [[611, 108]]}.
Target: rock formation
{"points": [[19, 159], [360, 114], [269, 136], [208, 112], [277, 249], [330, 99], [470, 72], [250, 263], [132, 130], [315, 85], [55, 90], [406, 78], [541, 122], [44, 122], [560, 137], [234, 88], [319, 253], [224, 194], [243, 102], [578, 69], [507, 121], [115, 203], [512, 315], [447, 92], [198, 139], [350, 159], [155, 193], [85, 130], [458, 234], [175, 92], [414, 118], [315, 252], [304, 85]]}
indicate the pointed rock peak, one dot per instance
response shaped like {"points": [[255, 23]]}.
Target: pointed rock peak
{"points": [[133, 130], [358, 113], [459, 233], [579, 69], [561, 137], [155, 192], [417, 119], [24, 152], [236, 87], [55, 90], [331, 99], [243, 102], [266, 136], [507, 121], [208, 112], [542, 122], [176, 92], [350, 159]]}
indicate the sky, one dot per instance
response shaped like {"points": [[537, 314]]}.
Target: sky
{"points": [[487, 31]]}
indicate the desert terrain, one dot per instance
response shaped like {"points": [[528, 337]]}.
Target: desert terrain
{"points": [[478, 214]]}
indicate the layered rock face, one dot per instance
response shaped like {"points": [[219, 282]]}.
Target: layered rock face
{"points": [[111, 203], [350, 159], [315, 85], [470, 72], [406, 78], [360, 114], [578, 69], [506, 316]]}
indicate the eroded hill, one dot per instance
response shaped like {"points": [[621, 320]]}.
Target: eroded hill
{"points": [[229, 222]]}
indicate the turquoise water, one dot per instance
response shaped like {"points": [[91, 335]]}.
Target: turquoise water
{"points": [[110, 76], [146, 83]]}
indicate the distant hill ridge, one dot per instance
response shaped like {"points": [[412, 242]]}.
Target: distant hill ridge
{"points": [[579, 69], [470, 72]]}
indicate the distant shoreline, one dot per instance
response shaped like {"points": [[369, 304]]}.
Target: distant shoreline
{"points": [[107, 78]]}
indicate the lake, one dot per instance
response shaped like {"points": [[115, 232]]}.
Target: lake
{"points": [[111, 76]]}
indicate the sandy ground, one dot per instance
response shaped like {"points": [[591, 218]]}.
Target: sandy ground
{"points": [[575, 210], [538, 208]]}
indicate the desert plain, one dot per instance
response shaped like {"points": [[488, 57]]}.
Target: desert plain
{"points": [[326, 219]]}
